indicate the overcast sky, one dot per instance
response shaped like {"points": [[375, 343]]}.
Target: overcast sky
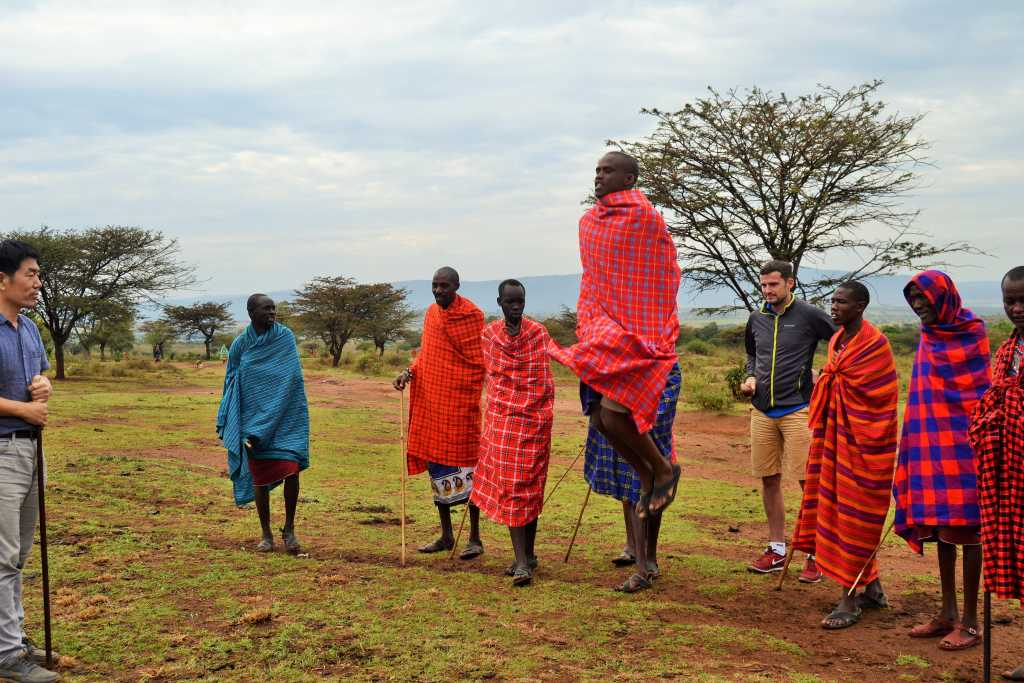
{"points": [[281, 141]]}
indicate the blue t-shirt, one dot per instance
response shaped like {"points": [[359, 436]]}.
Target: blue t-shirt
{"points": [[22, 357], [782, 411]]}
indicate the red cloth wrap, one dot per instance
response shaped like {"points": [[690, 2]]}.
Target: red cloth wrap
{"points": [[444, 401], [266, 472], [508, 483], [850, 464], [997, 435], [627, 324]]}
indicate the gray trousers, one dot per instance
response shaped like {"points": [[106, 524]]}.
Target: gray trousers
{"points": [[19, 510]]}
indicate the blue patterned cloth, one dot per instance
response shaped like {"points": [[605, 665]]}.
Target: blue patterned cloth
{"points": [[606, 472], [264, 401]]}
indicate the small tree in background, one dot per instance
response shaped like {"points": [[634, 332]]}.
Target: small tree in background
{"points": [[387, 314], [204, 319], [332, 309], [157, 333], [109, 325]]}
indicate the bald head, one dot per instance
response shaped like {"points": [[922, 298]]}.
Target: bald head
{"points": [[262, 311], [616, 171], [444, 286]]}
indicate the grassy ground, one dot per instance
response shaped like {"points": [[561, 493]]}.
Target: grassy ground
{"points": [[154, 577]]}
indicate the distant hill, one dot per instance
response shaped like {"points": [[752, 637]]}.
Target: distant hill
{"points": [[547, 294]]}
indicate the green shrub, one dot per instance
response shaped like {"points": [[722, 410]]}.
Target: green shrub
{"points": [[712, 398], [735, 377], [396, 360], [368, 364], [699, 347]]}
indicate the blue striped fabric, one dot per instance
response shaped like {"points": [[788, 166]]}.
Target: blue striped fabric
{"points": [[264, 400], [606, 472]]}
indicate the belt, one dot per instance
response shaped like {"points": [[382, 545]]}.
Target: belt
{"points": [[20, 434]]}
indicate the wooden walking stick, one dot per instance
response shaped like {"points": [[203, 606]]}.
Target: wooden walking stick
{"points": [[458, 535], [987, 644], [578, 520], [785, 567], [40, 484], [555, 487], [404, 468], [863, 569]]}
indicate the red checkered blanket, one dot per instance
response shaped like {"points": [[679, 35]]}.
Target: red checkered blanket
{"points": [[627, 323], [997, 434], [448, 375], [508, 484]]}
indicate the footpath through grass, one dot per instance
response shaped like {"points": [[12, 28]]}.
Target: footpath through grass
{"points": [[154, 577]]}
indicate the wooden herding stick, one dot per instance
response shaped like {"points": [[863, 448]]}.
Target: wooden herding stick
{"points": [[401, 421], [578, 520], [875, 552], [40, 484], [987, 635], [785, 567], [555, 487], [458, 535]]}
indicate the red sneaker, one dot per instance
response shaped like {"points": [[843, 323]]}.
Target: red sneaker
{"points": [[811, 573], [767, 563]]}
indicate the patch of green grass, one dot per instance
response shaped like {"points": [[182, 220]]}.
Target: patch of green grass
{"points": [[912, 660]]}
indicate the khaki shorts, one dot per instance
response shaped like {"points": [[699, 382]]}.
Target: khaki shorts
{"points": [[779, 445]]}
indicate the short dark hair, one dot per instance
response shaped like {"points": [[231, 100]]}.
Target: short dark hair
{"points": [[13, 253], [632, 165], [448, 272], [783, 268], [253, 298], [858, 290], [511, 282], [1014, 275]]}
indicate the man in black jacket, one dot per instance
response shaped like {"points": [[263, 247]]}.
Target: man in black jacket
{"points": [[781, 339]]}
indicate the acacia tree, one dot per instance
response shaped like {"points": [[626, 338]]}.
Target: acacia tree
{"points": [[333, 309], [387, 314], [157, 333], [109, 324], [204, 319], [748, 177], [83, 269]]}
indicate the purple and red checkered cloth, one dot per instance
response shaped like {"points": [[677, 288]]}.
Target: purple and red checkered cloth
{"points": [[627, 323], [997, 434], [936, 479]]}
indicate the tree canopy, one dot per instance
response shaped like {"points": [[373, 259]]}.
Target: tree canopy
{"points": [[745, 177], [204, 319], [387, 314], [82, 270], [332, 309]]}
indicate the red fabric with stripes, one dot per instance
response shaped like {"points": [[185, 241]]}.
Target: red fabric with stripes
{"points": [[627, 324], [997, 435], [853, 451], [508, 483], [444, 399]]}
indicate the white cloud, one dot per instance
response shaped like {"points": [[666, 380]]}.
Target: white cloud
{"points": [[279, 142]]}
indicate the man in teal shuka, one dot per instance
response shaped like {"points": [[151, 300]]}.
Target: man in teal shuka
{"points": [[264, 419]]}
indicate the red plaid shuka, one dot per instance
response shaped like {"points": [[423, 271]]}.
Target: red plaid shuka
{"points": [[448, 375], [997, 434], [508, 484], [936, 478], [853, 450], [627, 323]]}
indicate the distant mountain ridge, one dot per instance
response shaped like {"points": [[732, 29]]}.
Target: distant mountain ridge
{"points": [[547, 294]]}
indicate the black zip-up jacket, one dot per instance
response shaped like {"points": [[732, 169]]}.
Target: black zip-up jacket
{"points": [[780, 352]]}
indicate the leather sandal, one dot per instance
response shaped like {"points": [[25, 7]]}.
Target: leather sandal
{"points": [[933, 629], [957, 640]]}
